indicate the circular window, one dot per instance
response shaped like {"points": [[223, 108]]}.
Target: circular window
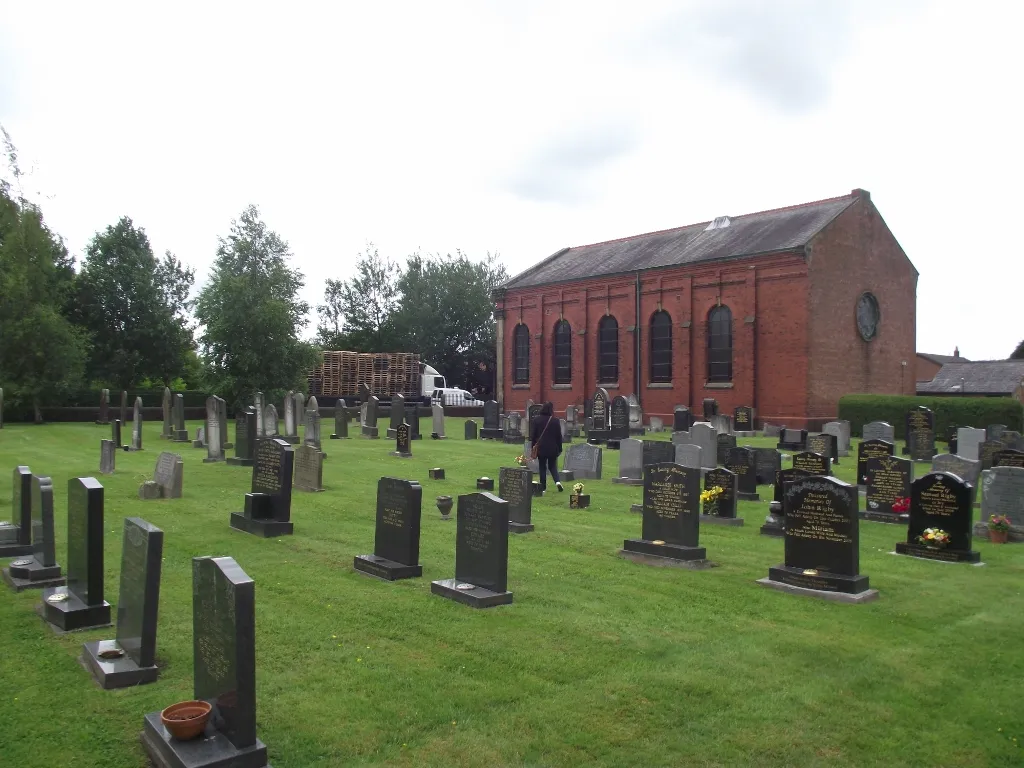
{"points": [[868, 316]]}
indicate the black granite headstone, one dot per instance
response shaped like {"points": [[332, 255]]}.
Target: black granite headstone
{"points": [[16, 538], [658, 452], [710, 406], [514, 486], [724, 443], [682, 419], [671, 516], [813, 463], [80, 605], [396, 544], [481, 553], [245, 439], [41, 570], [769, 461], [224, 673], [340, 421], [743, 419], [618, 421], [825, 444], [870, 449], [471, 430], [724, 507], [403, 446], [491, 429], [742, 463], [268, 505], [600, 417], [940, 500], [888, 479], [782, 478], [920, 433], [137, 605], [792, 440], [822, 538]]}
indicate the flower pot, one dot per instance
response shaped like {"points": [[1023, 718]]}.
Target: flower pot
{"points": [[444, 506], [998, 537], [579, 500], [187, 719]]}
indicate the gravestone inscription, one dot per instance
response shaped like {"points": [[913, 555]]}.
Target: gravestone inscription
{"points": [[888, 479], [812, 463], [871, 449], [742, 463]]}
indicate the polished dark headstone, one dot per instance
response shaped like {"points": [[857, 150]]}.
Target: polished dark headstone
{"points": [[920, 433], [743, 419], [812, 463], [245, 439], [471, 431], [682, 419], [224, 672], [137, 606], [396, 544], [888, 479], [599, 426], [792, 440], [724, 442], [481, 553], [743, 463], [83, 606], [870, 449], [16, 538], [671, 515], [340, 421], [491, 429], [721, 511], [618, 421], [768, 461], [515, 487], [403, 446], [268, 506], [397, 415], [940, 500], [41, 569]]}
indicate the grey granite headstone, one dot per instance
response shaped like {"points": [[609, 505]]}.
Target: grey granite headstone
{"points": [[200, 441], [688, 455], [309, 468], [108, 456], [166, 406], [771, 430], [722, 424], [471, 431], [136, 443], [706, 437], [261, 425], [583, 460], [967, 470], [994, 431], [311, 433], [968, 439], [397, 414], [657, 424], [291, 422], [270, 420], [879, 430], [437, 411], [514, 486], [124, 407], [369, 418], [104, 415], [631, 462], [1002, 493], [835, 428], [214, 431], [340, 421], [179, 433], [681, 438], [167, 478]]}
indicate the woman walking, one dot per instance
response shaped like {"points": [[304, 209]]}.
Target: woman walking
{"points": [[546, 436]]}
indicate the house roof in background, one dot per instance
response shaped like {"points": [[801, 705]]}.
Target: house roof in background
{"points": [[942, 359], [984, 377], [782, 229]]}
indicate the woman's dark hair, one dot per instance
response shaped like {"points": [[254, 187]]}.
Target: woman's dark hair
{"points": [[547, 409]]}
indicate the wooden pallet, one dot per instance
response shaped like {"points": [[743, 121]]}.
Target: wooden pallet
{"points": [[386, 374]]}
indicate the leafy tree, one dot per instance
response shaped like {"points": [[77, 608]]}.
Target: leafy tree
{"points": [[134, 306], [357, 313], [1018, 353], [42, 355], [446, 314], [251, 315]]}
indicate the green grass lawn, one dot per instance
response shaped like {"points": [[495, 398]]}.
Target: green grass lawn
{"points": [[599, 661]]}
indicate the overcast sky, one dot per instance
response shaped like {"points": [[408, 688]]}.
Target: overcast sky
{"points": [[523, 127]]}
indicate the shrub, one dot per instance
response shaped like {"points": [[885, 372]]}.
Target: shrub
{"points": [[961, 411]]}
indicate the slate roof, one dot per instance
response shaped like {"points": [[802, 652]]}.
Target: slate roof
{"points": [[942, 359], [985, 377], [782, 229]]}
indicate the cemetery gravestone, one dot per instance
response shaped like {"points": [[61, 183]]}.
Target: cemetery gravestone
{"points": [[245, 438], [671, 518], [967, 470], [618, 421], [80, 605], [725, 444], [940, 500], [826, 445], [688, 455], [200, 441], [364, 392], [583, 460], [743, 421], [261, 425], [994, 431], [124, 407], [636, 416], [41, 570], [742, 463], [710, 407], [968, 441], [879, 430], [870, 449], [311, 432], [679, 438], [308, 472], [682, 419], [397, 415], [437, 424], [840, 430], [658, 452], [166, 407], [115, 433], [340, 421], [403, 446], [768, 461], [167, 478], [214, 431], [471, 431], [481, 553], [108, 456], [822, 542], [224, 674], [16, 537], [813, 463], [136, 444], [631, 463], [369, 425], [268, 506], [130, 659], [792, 440], [722, 425], [1002, 493], [1008, 458], [771, 430], [657, 425], [950, 439], [514, 486], [920, 433], [721, 511], [705, 436], [291, 420], [888, 479], [492, 422], [600, 414], [784, 476], [222, 404], [270, 420], [396, 544], [987, 451], [412, 416], [104, 415], [179, 434]]}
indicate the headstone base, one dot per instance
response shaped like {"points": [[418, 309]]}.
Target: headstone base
{"points": [[392, 434], [371, 432], [235, 461], [741, 496], [268, 529], [637, 508], [746, 434], [716, 520], [580, 501], [115, 673], [946, 555], [884, 517], [657, 561], [33, 576], [773, 530], [668, 551], [485, 483], [400, 455], [789, 446], [72, 614], [435, 436], [209, 460], [839, 597], [382, 568], [566, 476], [15, 550], [211, 750], [436, 473], [290, 439], [198, 444], [822, 581], [519, 527], [181, 436], [612, 445], [476, 597], [333, 437], [627, 481], [492, 434]]}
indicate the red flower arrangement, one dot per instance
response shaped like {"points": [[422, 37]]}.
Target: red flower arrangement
{"points": [[901, 506]]}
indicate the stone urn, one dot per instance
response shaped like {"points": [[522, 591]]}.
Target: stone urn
{"points": [[444, 504]]}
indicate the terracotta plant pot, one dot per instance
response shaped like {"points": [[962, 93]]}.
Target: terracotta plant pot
{"points": [[187, 719], [998, 537]]}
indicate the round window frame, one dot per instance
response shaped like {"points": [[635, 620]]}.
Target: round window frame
{"points": [[873, 300]]}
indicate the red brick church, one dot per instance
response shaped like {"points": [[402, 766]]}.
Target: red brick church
{"points": [[783, 310]]}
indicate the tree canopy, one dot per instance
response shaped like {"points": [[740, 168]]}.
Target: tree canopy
{"points": [[1018, 353]]}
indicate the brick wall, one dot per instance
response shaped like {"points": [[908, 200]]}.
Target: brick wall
{"points": [[855, 253], [926, 369]]}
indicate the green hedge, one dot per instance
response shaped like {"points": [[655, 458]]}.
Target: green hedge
{"points": [[961, 411]]}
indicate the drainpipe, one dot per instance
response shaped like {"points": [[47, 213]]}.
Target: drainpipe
{"points": [[636, 344]]}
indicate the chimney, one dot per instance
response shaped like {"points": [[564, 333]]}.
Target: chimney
{"points": [[861, 193], [956, 352]]}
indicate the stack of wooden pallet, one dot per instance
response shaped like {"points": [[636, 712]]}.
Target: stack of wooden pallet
{"points": [[386, 374]]}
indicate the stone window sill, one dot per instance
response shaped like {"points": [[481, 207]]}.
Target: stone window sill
{"points": [[520, 386], [612, 385], [561, 386], [660, 385], [717, 385]]}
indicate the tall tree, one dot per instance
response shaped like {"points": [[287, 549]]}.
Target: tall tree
{"points": [[251, 314], [446, 313], [134, 307], [42, 355], [357, 313], [1018, 353]]}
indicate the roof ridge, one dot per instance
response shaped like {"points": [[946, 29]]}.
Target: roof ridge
{"points": [[700, 223]]}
